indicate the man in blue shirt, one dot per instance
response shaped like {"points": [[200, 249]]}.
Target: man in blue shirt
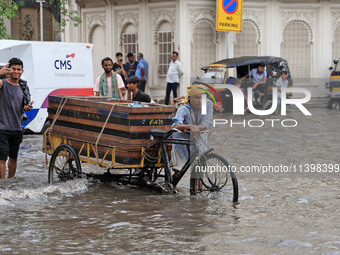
{"points": [[259, 76], [190, 118], [142, 71]]}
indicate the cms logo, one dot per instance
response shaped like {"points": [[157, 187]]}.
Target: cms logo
{"points": [[64, 64]]}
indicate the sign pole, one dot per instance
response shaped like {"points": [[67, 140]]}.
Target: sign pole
{"points": [[41, 19], [227, 45]]}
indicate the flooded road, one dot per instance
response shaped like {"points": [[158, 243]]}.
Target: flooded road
{"points": [[278, 213]]}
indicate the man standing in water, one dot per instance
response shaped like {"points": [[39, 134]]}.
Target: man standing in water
{"points": [[14, 100], [190, 118]]}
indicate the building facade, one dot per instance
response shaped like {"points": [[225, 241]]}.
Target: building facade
{"points": [[305, 32]]}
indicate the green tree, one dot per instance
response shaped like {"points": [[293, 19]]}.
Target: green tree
{"points": [[9, 9]]}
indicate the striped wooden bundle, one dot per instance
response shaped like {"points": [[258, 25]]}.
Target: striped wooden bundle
{"points": [[81, 120]]}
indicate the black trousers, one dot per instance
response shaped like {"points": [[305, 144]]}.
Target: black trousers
{"points": [[170, 86], [141, 85]]}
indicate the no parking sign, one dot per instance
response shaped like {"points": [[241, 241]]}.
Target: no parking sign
{"points": [[229, 15]]}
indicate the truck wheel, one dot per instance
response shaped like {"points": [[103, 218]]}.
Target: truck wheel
{"points": [[46, 126]]}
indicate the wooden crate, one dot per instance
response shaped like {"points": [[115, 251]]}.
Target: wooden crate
{"points": [[82, 119]]}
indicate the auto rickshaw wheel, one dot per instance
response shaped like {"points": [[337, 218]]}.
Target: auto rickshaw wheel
{"points": [[267, 105], [334, 104], [64, 165]]}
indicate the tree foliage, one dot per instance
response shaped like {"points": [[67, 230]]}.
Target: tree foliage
{"points": [[9, 9]]}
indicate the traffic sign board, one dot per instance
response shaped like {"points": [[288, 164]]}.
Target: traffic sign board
{"points": [[230, 6], [229, 15]]}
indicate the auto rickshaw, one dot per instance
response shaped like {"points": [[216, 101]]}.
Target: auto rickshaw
{"points": [[334, 86], [225, 71]]}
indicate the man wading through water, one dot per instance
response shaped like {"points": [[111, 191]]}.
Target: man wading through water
{"points": [[14, 100], [190, 118]]}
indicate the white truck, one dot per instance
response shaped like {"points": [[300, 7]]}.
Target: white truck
{"points": [[50, 68]]}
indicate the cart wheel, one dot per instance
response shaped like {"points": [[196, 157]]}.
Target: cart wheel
{"points": [[334, 104], [212, 173], [64, 165]]}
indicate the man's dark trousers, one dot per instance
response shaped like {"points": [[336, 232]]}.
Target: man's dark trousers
{"points": [[170, 86], [141, 85]]}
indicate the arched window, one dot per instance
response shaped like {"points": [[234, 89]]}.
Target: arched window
{"points": [[336, 44], [98, 52], [129, 41], [165, 47], [246, 43], [203, 48], [296, 48]]}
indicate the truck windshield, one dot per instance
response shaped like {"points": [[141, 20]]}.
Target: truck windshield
{"points": [[337, 67]]}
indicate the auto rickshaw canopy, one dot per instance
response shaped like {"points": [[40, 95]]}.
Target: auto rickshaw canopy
{"points": [[248, 60]]}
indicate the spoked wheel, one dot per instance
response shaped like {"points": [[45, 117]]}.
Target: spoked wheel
{"points": [[334, 104], [64, 165], [212, 174]]}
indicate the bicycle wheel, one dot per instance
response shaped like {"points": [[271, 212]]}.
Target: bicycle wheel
{"points": [[64, 165], [212, 173]]}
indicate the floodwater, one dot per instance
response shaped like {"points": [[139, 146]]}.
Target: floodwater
{"points": [[277, 213]]}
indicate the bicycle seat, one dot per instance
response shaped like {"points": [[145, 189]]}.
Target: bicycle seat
{"points": [[158, 133]]}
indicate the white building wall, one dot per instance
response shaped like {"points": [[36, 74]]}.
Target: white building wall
{"points": [[270, 18]]}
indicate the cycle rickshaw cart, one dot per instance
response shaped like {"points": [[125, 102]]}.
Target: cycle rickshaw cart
{"points": [[131, 142]]}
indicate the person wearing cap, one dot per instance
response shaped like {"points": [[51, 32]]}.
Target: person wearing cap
{"points": [[137, 95], [259, 76], [190, 118]]}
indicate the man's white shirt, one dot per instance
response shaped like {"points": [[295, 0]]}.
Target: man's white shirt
{"points": [[175, 71]]}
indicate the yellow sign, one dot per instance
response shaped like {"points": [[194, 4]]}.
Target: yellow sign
{"points": [[229, 15]]}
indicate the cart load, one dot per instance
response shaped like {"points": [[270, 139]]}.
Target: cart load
{"points": [[103, 123], [130, 142]]}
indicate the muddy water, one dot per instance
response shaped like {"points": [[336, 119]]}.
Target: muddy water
{"points": [[278, 213]]}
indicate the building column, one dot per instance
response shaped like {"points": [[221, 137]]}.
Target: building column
{"points": [[182, 44], [110, 17], [71, 32], [273, 39], [324, 47], [326, 39]]}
